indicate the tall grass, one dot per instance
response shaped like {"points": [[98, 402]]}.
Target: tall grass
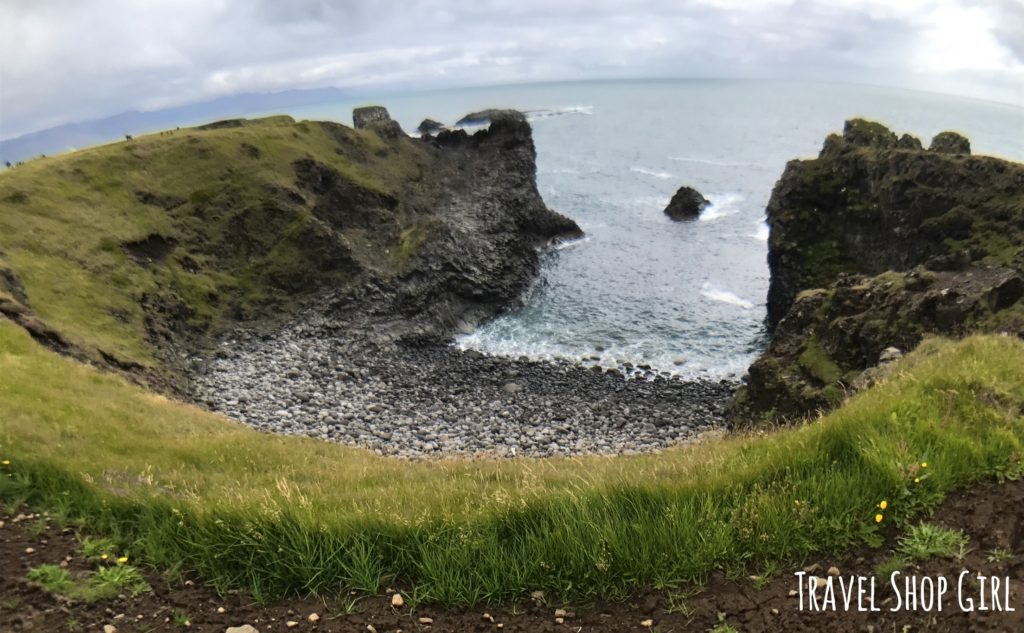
{"points": [[189, 491]]}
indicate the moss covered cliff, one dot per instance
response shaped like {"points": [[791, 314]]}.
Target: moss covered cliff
{"points": [[874, 245]]}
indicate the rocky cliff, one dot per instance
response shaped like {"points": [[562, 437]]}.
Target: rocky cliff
{"points": [[872, 202], [133, 254], [875, 244]]}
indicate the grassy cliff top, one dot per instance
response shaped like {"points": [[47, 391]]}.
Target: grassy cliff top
{"points": [[188, 490], [121, 247]]}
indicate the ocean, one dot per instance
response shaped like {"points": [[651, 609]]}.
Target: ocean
{"points": [[684, 297]]}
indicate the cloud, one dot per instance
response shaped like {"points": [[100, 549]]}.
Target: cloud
{"points": [[68, 60]]}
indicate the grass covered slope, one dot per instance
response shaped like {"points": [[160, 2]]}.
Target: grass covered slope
{"points": [[118, 246], [190, 491]]}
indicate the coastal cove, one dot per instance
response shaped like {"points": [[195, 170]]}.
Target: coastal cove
{"points": [[641, 289], [251, 355]]}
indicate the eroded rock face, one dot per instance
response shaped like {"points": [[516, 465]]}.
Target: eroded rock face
{"points": [[367, 115], [467, 229], [871, 202], [686, 204], [875, 244], [831, 339]]}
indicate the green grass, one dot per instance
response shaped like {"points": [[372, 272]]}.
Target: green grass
{"points": [[244, 246], [103, 584], [999, 556], [116, 579], [186, 490], [890, 565], [927, 540], [94, 548], [52, 578]]}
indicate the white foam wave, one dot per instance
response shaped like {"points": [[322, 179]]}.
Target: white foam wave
{"points": [[709, 161], [563, 244], [761, 234], [721, 206], [695, 365], [664, 175], [724, 296], [543, 113]]}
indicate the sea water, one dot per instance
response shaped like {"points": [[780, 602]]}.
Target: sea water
{"points": [[686, 297]]}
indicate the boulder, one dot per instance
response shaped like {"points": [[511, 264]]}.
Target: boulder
{"points": [[430, 126], [863, 133], [950, 143], [686, 204], [366, 115]]}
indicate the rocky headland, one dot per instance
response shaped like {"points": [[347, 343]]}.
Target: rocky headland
{"points": [[874, 245]]}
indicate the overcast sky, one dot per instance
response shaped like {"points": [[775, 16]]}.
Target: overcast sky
{"points": [[71, 60]]}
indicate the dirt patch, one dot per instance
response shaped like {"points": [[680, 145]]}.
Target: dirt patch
{"points": [[991, 515], [152, 249]]}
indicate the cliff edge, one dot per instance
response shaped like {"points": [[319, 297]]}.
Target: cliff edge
{"points": [[134, 254], [875, 244]]}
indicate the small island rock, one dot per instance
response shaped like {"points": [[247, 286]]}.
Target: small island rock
{"points": [[430, 126], [686, 204], [483, 116]]}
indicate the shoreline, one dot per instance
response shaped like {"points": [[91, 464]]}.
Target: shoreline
{"points": [[324, 379]]}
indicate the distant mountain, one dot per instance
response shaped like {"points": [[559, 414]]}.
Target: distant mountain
{"points": [[75, 135]]}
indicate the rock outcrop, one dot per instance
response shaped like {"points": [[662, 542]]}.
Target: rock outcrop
{"points": [[686, 204], [874, 245], [950, 143], [478, 253], [481, 117], [430, 126], [367, 115], [871, 203], [260, 220]]}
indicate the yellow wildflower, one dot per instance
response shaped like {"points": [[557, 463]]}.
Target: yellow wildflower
{"points": [[104, 557], [884, 504], [924, 464], [6, 462], [122, 560], [917, 480], [878, 518]]}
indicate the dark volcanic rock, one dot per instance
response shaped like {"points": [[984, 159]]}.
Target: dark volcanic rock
{"points": [[366, 115], [909, 142], [873, 245], [686, 204], [430, 126], [461, 237], [484, 116], [819, 352], [950, 143], [867, 206]]}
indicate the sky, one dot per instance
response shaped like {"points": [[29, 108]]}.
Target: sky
{"points": [[65, 61]]}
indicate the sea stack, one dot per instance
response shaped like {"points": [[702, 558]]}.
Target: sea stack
{"points": [[686, 204]]}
